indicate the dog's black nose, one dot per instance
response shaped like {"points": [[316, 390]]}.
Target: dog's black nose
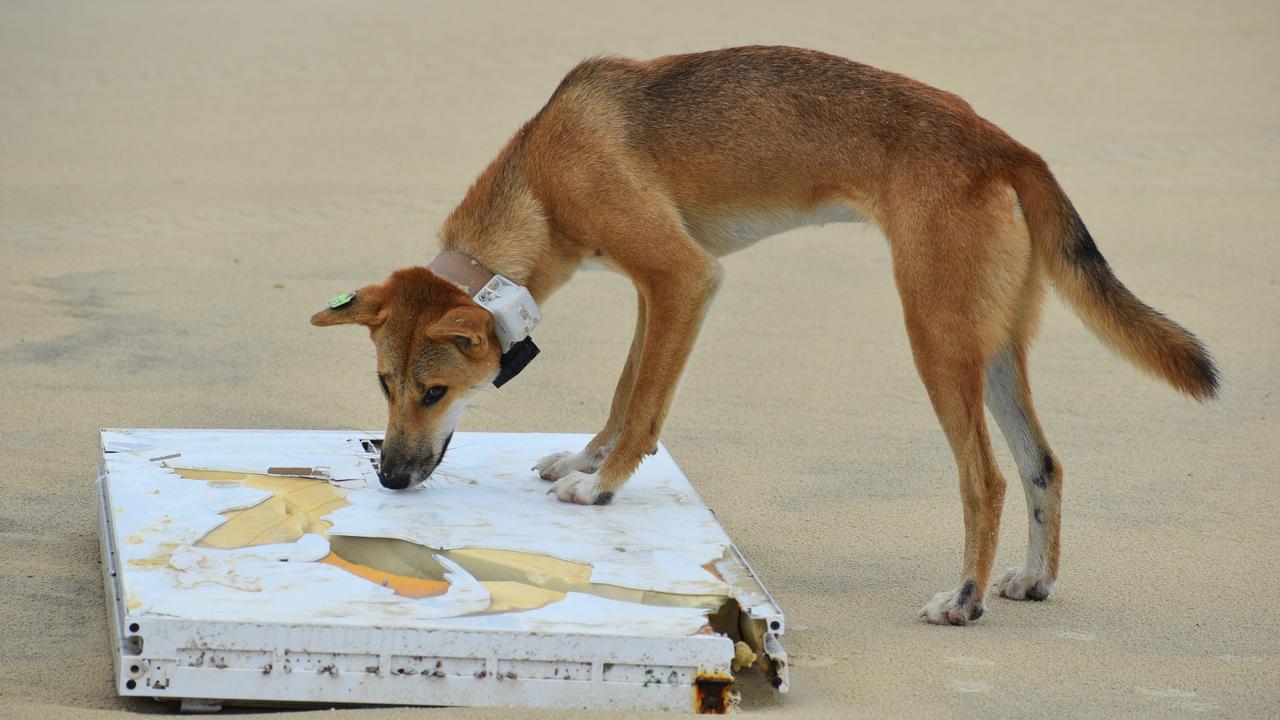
{"points": [[398, 472], [393, 480], [391, 473]]}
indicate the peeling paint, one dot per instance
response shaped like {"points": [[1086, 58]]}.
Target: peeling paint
{"points": [[297, 506]]}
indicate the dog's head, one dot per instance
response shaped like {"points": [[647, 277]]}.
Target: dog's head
{"points": [[436, 349]]}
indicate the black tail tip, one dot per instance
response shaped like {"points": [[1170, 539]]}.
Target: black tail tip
{"points": [[1207, 378]]}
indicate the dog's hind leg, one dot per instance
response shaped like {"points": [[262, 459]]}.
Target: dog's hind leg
{"points": [[951, 367], [589, 460], [958, 270], [1008, 395]]}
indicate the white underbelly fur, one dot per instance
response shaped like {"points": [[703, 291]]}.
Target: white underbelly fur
{"points": [[722, 233]]}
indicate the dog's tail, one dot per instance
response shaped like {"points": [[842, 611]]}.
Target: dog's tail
{"points": [[1141, 334]]}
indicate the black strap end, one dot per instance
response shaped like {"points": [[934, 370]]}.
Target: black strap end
{"points": [[515, 360]]}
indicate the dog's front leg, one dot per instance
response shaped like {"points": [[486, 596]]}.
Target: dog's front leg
{"points": [[676, 301], [589, 460]]}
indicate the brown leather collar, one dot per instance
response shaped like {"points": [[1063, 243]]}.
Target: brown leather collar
{"points": [[514, 310], [462, 270]]}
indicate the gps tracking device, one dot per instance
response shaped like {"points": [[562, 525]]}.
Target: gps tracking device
{"points": [[515, 315]]}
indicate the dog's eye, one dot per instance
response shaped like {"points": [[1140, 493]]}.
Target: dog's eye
{"points": [[382, 380], [433, 394]]}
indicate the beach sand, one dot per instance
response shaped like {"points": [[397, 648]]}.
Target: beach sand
{"points": [[182, 185]]}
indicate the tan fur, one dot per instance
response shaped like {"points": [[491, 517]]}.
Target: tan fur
{"points": [[655, 168]]}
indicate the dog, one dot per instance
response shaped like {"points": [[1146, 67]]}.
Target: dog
{"points": [[657, 168]]}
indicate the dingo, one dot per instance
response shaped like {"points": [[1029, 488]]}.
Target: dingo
{"points": [[656, 168]]}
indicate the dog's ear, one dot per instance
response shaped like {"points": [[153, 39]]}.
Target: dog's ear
{"points": [[362, 307], [467, 326]]}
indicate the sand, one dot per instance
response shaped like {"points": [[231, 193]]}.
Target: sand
{"points": [[181, 186]]}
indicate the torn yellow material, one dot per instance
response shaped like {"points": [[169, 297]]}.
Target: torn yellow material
{"points": [[507, 596], [294, 509], [409, 568], [389, 555], [564, 576], [541, 570], [507, 589], [412, 587], [743, 656]]}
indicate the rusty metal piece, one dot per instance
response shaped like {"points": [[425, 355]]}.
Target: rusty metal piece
{"points": [[711, 694]]}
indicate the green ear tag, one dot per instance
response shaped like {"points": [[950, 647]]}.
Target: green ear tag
{"points": [[341, 300]]}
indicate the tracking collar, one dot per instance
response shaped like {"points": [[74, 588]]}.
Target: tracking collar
{"points": [[515, 314]]}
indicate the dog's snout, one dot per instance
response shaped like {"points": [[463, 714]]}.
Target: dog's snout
{"points": [[393, 480], [397, 475]]}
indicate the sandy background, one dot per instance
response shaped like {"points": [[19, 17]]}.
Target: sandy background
{"points": [[181, 185]]}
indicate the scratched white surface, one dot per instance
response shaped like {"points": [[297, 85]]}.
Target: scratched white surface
{"points": [[655, 536]]}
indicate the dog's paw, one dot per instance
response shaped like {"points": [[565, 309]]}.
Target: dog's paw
{"points": [[958, 607], [543, 466], [1024, 584], [561, 464], [581, 488]]}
